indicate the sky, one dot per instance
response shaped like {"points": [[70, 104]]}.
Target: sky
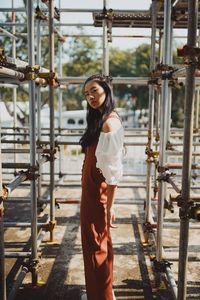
{"points": [[122, 43]]}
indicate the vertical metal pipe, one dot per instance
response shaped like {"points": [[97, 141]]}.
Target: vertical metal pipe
{"points": [[2, 251], [197, 98], [151, 109], [163, 129], [169, 87], [51, 100], [158, 94], [196, 112], [32, 124], [60, 95], [187, 151], [14, 56], [38, 98], [105, 44], [14, 89]]}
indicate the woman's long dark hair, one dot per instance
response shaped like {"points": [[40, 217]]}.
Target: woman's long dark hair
{"points": [[95, 117]]}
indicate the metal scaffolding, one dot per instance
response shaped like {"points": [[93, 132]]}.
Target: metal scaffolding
{"points": [[162, 17]]}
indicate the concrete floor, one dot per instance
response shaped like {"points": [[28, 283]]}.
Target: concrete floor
{"points": [[61, 274]]}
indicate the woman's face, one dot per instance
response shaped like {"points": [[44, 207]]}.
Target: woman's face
{"points": [[94, 94]]}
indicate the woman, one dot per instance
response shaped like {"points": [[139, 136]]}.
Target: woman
{"points": [[102, 144]]}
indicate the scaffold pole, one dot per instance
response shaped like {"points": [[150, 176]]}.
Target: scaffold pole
{"points": [[2, 250], [105, 42], [151, 112], [51, 102], [187, 151], [32, 123], [163, 131]]}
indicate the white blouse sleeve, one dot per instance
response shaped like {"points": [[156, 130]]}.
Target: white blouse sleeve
{"points": [[109, 155]]}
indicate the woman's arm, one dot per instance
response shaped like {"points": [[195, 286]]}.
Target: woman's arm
{"points": [[111, 193]]}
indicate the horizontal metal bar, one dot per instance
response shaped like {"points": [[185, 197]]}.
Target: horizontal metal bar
{"points": [[7, 33], [20, 151], [16, 182], [20, 224], [9, 73], [176, 225], [15, 165], [17, 254], [78, 10], [116, 80]]}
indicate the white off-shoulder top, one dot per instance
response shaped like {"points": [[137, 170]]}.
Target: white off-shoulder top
{"points": [[109, 155]]}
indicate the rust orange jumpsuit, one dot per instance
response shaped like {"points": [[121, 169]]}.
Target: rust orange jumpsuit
{"points": [[95, 232]]}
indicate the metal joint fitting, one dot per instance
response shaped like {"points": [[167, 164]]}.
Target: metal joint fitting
{"points": [[46, 156], [169, 146], [152, 155], [30, 173], [51, 155], [30, 73], [56, 13], [168, 205], [194, 212], [165, 176], [190, 54], [188, 51], [161, 266], [154, 81], [185, 207], [4, 62], [57, 146], [4, 193], [157, 138], [50, 226], [148, 227], [39, 14], [31, 265], [162, 169]]}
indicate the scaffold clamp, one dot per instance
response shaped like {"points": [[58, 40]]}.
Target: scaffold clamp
{"points": [[50, 226], [30, 173], [50, 78], [4, 62], [50, 153], [4, 193], [165, 176], [152, 155], [31, 265], [190, 54], [39, 14], [185, 207], [148, 227], [169, 205], [170, 146], [30, 72], [161, 266]]}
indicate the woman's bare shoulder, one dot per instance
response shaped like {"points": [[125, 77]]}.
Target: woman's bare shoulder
{"points": [[112, 123]]}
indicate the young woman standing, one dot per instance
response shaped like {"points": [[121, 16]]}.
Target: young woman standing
{"points": [[102, 144]]}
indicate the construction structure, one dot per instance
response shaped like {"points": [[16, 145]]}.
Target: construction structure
{"points": [[161, 17]]}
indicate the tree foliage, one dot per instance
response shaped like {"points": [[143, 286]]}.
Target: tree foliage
{"points": [[84, 59]]}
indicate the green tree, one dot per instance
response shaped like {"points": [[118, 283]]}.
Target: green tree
{"points": [[142, 69], [84, 59], [121, 64]]}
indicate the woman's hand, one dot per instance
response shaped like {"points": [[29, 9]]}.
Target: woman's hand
{"points": [[111, 218]]}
